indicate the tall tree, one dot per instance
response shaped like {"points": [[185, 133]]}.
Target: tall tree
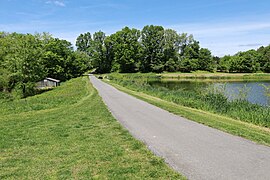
{"points": [[172, 46], [76, 64], [84, 42], [205, 60], [23, 59], [190, 55], [249, 61], [264, 57], [191, 50], [153, 46], [56, 56], [99, 53], [126, 50]]}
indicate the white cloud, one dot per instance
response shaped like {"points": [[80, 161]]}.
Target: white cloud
{"points": [[217, 29], [57, 3], [228, 37], [250, 45], [104, 5]]}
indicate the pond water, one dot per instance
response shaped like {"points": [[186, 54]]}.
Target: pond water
{"points": [[253, 91]]}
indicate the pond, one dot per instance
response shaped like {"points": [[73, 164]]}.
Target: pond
{"points": [[253, 91]]}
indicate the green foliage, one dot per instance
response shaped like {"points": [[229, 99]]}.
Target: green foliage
{"points": [[4, 80], [57, 57], [264, 58], [188, 65], [84, 42], [22, 58], [172, 47], [126, 50], [250, 61], [154, 49], [152, 44], [26, 59], [205, 60], [225, 64]]}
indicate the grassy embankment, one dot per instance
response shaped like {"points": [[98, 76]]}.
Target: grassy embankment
{"points": [[68, 133], [202, 75], [239, 117]]}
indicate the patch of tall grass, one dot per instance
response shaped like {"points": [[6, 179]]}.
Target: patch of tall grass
{"points": [[212, 101]]}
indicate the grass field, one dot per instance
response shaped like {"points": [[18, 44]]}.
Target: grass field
{"points": [[68, 133]]}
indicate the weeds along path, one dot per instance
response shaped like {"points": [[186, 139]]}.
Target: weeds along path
{"points": [[197, 151]]}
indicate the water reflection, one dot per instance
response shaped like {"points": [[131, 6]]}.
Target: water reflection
{"points": [[254, 92]]}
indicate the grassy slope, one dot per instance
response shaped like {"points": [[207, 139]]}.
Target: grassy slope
{"points": [[68, 133], [247, 130]]}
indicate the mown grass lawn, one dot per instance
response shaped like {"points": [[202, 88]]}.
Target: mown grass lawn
{"points": [[68, 133]]}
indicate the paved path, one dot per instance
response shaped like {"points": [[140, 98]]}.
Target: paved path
{"points": [[195, 150]]}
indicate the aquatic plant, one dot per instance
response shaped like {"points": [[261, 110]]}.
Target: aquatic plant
{"points": [[266, 92], [212, 100], [243, 92]]}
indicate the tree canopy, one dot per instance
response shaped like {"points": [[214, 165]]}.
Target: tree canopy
{"points": [[27, 58], [153, 49], [250, 61], [156, 49]]}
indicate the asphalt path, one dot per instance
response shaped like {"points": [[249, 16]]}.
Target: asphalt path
{"points": [[194, 150]]}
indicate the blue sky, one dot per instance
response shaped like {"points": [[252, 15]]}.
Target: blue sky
{"points": [[223, 26]]}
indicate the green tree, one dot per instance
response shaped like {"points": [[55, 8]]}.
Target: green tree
{"points": [[26, 59], [84, 42], [225, 63], [56, 56], [190, 56], [99, 53], [126, 50], [191, 50], [188, 65], [153, 46], [172, 46], [249, 61], [185, 41], [76, 64], [4, 80], [235, 64], [205, 60], [23, 59], [264, 58]]}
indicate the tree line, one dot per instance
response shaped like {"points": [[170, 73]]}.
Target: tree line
{"points": [[250, 61], [155, 49], [26, 59]]}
